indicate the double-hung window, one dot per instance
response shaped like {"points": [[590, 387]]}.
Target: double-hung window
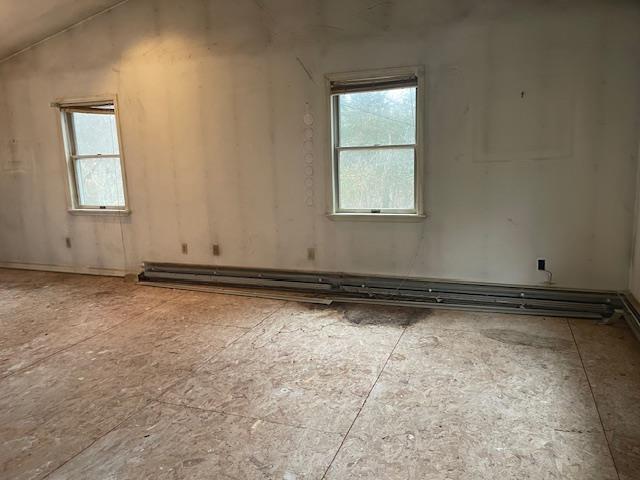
{"points": [[376, 143], [94, 161]]}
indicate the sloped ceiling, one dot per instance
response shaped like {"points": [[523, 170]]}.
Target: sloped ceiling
{"points": [[25, 22]]}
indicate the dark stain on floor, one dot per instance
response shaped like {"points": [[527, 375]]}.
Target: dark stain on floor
{"points": [[514, 337], [363, 314]]}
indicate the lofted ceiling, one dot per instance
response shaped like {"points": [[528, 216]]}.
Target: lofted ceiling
{"points": [[25, 22]]}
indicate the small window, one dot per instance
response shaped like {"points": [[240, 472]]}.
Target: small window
{"points": [[94, 160], [375, 144]]}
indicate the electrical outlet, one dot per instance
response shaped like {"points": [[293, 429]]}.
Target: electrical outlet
{"points": [[215, 249], [185, 248], [67, 242], [311, 253], [542, 264]]}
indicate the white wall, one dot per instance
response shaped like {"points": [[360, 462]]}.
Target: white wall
{"points": [[212, 99], [634, 268]]}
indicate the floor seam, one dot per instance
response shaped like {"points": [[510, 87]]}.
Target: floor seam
{"points": [[166, 389], [364, 403], [595, 402], [97, 439], [248, 417], [68, 347], [246, 332], [152, 399], [207, 360]]}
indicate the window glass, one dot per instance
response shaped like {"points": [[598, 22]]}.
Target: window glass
{"points": [[95, 133], [376, 179], [99, 182], [385, 117]]}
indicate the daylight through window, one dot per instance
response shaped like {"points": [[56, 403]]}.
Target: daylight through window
{"points": [[93, 150], [375, 145]]}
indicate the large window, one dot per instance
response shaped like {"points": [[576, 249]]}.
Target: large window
{"points": [[94, 160], [375, 144]]}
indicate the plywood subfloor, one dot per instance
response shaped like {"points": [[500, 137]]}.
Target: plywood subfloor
{"points": [[100, 378]]}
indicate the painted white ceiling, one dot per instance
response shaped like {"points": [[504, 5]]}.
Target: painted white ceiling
{"points": [[25, 22]]}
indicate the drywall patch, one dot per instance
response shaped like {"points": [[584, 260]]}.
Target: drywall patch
{"points": [[534, 123], [17, 156], [525, 105]]}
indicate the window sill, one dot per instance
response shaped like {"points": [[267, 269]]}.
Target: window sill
{"points": [[99, 211], [377, 217]]}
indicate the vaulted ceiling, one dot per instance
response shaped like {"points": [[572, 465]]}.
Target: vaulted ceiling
{"points": [[25, 22]]}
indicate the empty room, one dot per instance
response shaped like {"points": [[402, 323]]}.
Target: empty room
{"points": [[320, 239]]}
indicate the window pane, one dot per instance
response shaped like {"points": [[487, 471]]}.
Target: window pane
{"points": [[376, 179], [95, 133], [99, 182], [386, 117]]}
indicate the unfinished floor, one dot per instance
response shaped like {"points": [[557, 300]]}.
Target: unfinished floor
{"points": [[100, 378]]}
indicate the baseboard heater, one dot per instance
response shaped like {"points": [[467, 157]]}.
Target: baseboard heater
{"points": [[342, 287]]}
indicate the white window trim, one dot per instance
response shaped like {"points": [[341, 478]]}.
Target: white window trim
{"points": [[74, 206], [414, 215]]}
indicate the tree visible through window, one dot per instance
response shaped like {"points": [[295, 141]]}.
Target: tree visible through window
{"points": [[94, 157], [374, 143]]}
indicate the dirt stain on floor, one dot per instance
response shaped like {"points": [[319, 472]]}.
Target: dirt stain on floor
{"points": [[372, 314], [515, 337], [363, 314]]}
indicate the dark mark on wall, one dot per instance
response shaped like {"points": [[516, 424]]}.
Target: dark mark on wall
{"points": [[305, 69]]}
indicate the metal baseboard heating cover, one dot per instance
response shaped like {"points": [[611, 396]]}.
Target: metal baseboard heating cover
{"points": [[344, 287]]}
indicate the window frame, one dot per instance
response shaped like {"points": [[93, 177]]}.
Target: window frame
{"points": [[66, 108], [375, 76]]}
